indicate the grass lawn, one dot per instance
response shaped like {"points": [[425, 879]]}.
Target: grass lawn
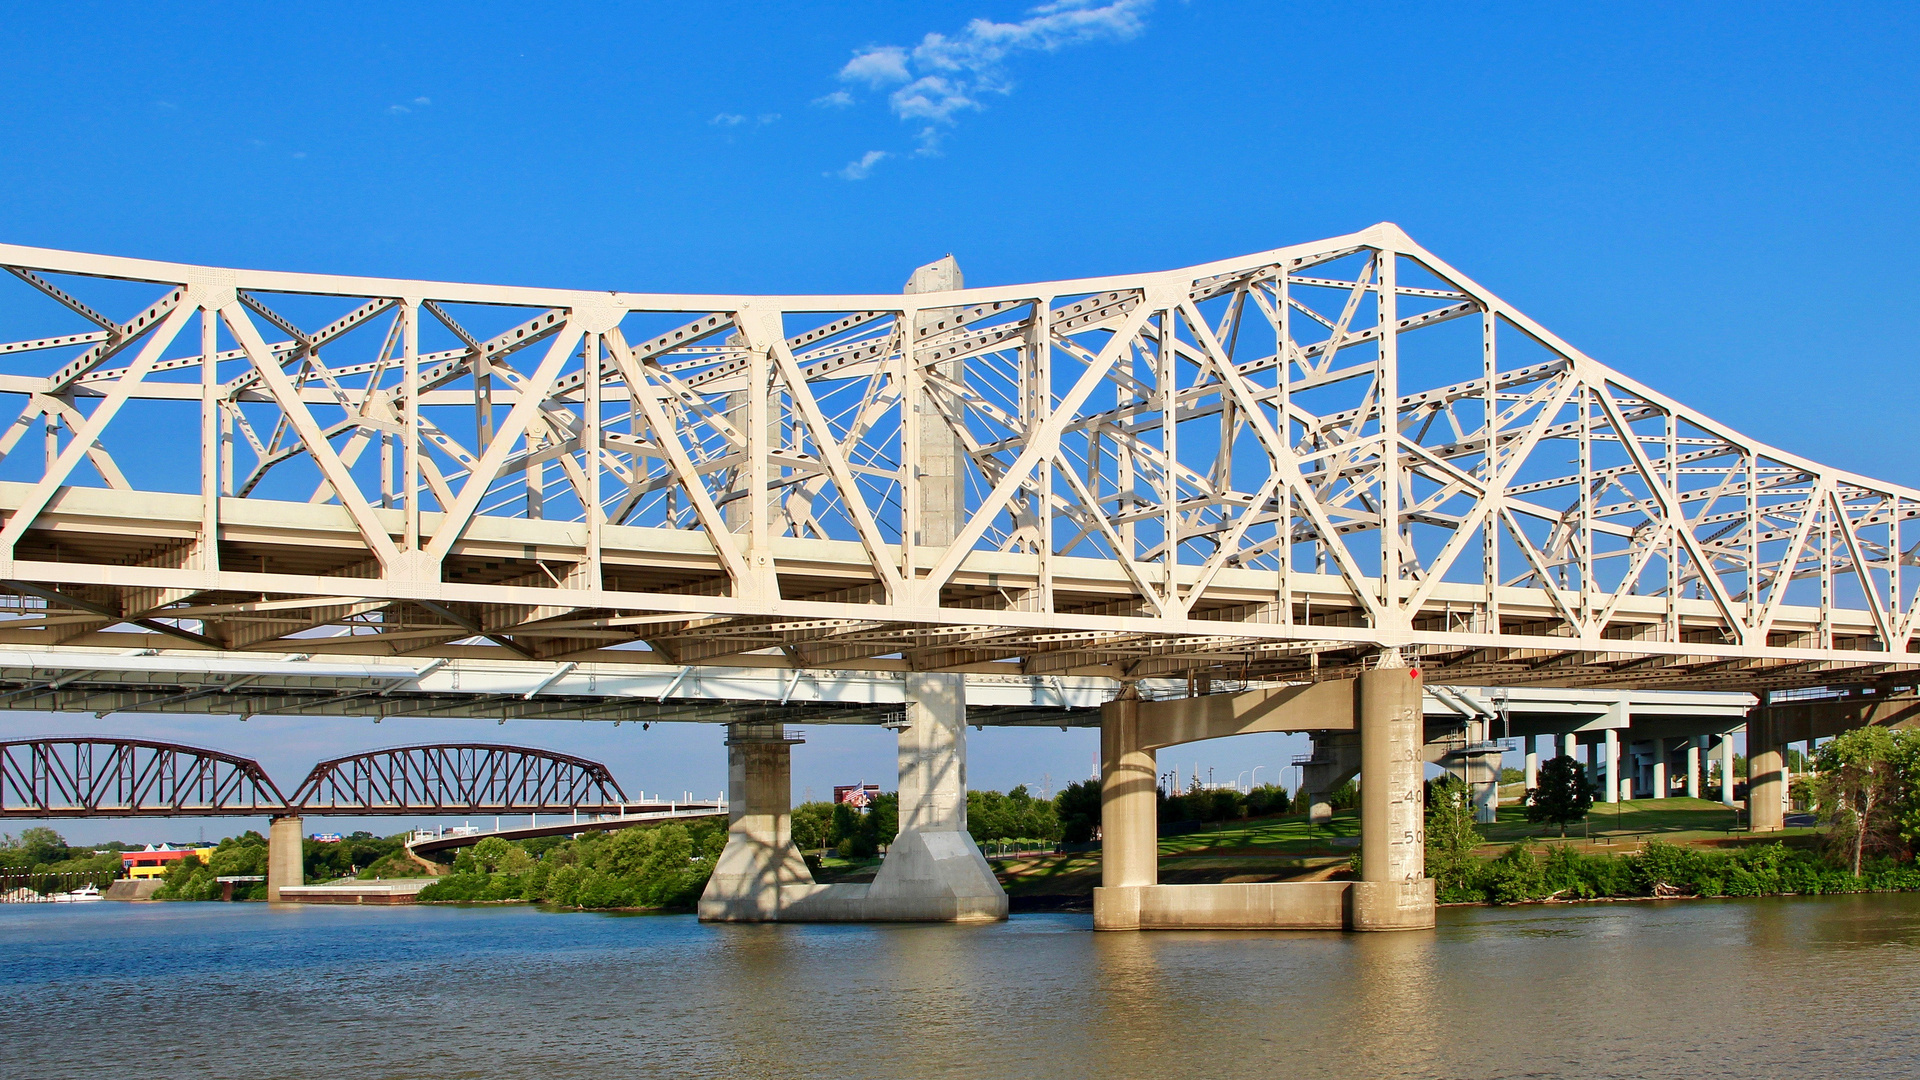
{"points": [[1289, 848], [1630, 823]]}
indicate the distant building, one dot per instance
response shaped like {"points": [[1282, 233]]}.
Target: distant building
{"points": [[154, 861]]}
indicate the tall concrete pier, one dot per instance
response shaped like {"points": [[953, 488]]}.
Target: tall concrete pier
{"points": [[1394, 892]]}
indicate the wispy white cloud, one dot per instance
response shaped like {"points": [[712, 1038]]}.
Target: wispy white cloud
{"points": [[934, 82], [860, 169], [734, 120], [422, 101]]}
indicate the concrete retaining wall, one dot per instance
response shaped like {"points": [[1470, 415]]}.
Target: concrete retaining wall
{"points": [[1284, 905]]}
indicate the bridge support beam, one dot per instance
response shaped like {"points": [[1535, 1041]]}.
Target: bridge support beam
{"points": [[1610, 789], [286, 855], [1382, 707]]}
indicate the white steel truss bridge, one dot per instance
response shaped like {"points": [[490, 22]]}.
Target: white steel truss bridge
{"points": [[1268, 467]]}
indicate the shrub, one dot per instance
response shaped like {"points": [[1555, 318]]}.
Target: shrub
{"points": [[1268, 799], [1516, 876]]}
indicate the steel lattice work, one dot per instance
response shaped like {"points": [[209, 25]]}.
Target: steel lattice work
{"points": [[1270, 466], [459, 778], [129, 778]]}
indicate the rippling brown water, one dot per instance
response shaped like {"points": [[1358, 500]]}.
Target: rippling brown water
{"points": [[1802, 988]]}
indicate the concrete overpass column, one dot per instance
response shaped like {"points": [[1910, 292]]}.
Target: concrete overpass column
{"points": [[1483, 775], [1394, 892], [1726, 767], [286, 857], [1610, 790], [933, 869], [1533, 762], [1693, 766], [1129, 818], [1766, 758], [1570, 744], [1335, 758], [1659, 768], [759, 857]]}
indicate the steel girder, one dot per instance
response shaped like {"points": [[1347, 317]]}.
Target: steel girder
{"points": [[1230, 469]]}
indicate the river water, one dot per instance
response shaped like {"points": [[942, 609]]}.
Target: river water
{"points": [[1801, 988]]}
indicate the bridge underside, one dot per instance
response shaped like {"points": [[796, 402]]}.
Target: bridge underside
{"points": [[92, 536], [197, 683]]}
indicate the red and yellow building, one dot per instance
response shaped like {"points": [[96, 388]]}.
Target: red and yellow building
{"points": [[155, 861]]}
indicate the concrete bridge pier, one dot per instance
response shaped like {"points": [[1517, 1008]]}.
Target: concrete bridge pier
{"points": [[751, 880], [1394, 892], [1380, 708], [933, 871], [1766, 759], [286, 856]]}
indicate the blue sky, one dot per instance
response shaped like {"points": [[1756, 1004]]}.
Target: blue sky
{"points": [[1716, 199]]}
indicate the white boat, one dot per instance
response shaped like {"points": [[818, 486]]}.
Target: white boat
{"points": [[77, 896]]}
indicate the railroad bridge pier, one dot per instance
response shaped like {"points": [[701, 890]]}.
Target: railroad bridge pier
{"points": [[286, 864]]}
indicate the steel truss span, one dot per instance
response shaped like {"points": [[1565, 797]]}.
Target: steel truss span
{"points": [[1265, 467], [112, 777], [129, 778], [459, 778]]}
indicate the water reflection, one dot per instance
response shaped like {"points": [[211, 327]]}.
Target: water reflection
{"points": [[1680, 990]]}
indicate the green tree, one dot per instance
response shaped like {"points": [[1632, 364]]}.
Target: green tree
{"points": [[490, 852], [812, 825], [1077, 807], [1451, 840], [1564, 795], [42, 845], [1859, 792]]}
